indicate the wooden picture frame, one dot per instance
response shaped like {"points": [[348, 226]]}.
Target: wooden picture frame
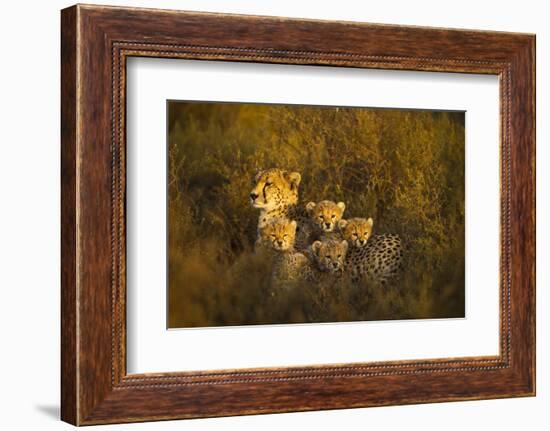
{"points": [[95, 43]]}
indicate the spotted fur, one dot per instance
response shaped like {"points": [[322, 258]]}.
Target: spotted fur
{"points": [[330, 256], [275, 194], [324, 217], [289, 266], [378, 261], [356, 231]]}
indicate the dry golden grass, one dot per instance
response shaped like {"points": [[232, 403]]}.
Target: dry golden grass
{"points": [[403, 168]]}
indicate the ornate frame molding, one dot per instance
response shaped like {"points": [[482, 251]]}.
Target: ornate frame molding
{"points": [[96, 41]]}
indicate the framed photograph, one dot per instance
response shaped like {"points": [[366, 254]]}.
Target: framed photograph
{"points": [[266, 215]]}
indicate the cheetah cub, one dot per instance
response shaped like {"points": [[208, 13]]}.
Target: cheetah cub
{"points": [[375, 259], [330, 256], [356, 231], [324, 217], [289, 266]]}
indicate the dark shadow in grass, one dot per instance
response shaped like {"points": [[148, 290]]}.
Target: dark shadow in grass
{"points": [[52, 411]]}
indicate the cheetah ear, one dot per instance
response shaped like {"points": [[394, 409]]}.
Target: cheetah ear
{"points": [[370, 222], [341, 205], [344, 244], [310, 206], [293, 224], [342, 224], [294, 178], [315, 247]]}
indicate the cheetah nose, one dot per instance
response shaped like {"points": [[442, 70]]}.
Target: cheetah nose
{"points": [[253, 196], [335, 265], [363, 241], [327, 225], [280, 242]]}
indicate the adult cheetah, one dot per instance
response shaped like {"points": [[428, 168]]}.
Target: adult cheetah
{"points": [[275, 194]]}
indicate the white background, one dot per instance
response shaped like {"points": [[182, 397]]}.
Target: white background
{"points": [[29, 227], [151, 348]]}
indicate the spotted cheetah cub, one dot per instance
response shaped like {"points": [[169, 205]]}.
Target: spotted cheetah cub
{"points": [[324, 217], [374, 259], [356, 231], [330, 256], [289, 266]]}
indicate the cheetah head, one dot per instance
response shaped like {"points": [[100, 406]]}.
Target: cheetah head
{"points": [[279, 234], [326, 214], [274, 188], [330, 255], [356, 231]]}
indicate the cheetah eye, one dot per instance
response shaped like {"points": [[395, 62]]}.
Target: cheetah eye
{"points": [[285, 236], [339, 256], [333, 216], [273, 235], [355, 235], [321, 217], [268, 183]]}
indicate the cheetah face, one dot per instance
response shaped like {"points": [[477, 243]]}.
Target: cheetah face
{"points": [[274, 188], [279, 234], [326, 214], [330, 255], [356, 231]]}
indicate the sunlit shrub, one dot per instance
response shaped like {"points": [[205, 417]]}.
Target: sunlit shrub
{"points": [[403, 168]]}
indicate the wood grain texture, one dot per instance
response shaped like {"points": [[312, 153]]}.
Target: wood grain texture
{"points": [[96, 41], [69, 366]]}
